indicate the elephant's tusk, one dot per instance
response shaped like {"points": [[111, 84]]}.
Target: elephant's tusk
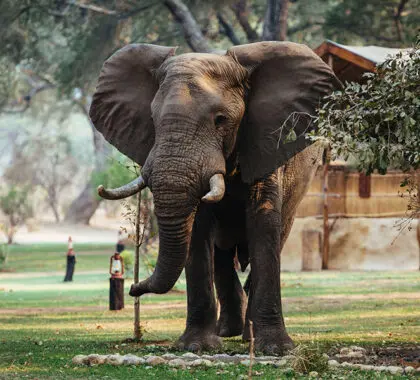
{"points": [[217, 189], [124, 191]]}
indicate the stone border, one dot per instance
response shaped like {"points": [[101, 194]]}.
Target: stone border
{"points": [[189, 360]]}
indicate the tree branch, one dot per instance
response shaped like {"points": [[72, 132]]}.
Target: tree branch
{"points": [[93, 8], [228, 30], [241, 13], [111, 12], [397, 19], [192, 33], [25, 100]]}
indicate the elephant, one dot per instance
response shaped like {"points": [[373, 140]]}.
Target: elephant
{"points": [[221, 139]]}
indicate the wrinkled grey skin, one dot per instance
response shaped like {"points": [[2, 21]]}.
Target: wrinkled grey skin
{"points": [[196, 119]]}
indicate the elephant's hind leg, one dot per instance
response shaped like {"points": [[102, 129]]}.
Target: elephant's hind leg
{"points": [[229, 292]]}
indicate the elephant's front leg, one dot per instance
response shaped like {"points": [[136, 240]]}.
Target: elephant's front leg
{"points": [[264, 232], [200, 331]]}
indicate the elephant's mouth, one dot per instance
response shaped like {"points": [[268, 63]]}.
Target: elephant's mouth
{"points": [[174, 235]]}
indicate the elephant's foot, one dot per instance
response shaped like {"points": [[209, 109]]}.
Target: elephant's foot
{"points": [[134, 290], [229, 325], [273, 342], [198, 340]]}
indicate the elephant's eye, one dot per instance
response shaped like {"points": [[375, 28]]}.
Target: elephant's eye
{"points": [[219, 120]]}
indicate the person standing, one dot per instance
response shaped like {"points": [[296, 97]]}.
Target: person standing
{"points": [[116, 282], [71, 261]]}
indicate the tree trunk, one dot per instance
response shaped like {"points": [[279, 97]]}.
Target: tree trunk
{"points": [[192, 32], [275, 20], [241, 13], [84, 206], [228, 30]]}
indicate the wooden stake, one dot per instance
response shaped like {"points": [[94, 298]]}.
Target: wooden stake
{"points": [[251, 348], [137, 331], [326, 234]]}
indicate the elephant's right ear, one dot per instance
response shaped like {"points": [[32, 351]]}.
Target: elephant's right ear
{"points": [[120, 107]]}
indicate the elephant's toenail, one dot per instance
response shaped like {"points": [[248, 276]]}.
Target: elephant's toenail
{"points": [[195, 347]]}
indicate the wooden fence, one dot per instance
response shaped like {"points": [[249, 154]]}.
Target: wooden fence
{"points": [[351, 194]]}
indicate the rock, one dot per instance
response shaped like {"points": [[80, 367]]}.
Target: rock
{"points": [[114, 359], [156, 360], [267, 362], [358, 349], [313, 374], [241, 356], [178, 363], [245, 362], [409, 369], [333, 363], [266, 358], [130, 359], [345, 351], [394, 369], [281, 363], [351, 355], [288, 357], [355, 355], [197, 363], [95, 359], [169, 356], [325, 356], [207, 357], [80, 359], [201, 362], [219, 364], [190, 356], [418, 369], [346, 364], [364, 367], [381, 368], [225, 358]]}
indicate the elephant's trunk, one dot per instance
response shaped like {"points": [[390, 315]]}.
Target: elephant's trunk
{"points": [[174, 241]]}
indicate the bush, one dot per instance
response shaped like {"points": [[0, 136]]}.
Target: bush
{"points": [[378, 123], [15, 204], [4, 251]]}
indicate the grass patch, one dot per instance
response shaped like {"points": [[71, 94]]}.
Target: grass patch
{"points": [[47, 322], [52, 256]]}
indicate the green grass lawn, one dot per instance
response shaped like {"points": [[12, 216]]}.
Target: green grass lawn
{"points": [[52, 256], [45, 322]]}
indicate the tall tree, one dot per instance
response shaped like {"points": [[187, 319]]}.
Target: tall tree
{"points": [[275, 21]]}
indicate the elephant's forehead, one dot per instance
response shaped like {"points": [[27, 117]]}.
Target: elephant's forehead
{"points": [[200, 63]]}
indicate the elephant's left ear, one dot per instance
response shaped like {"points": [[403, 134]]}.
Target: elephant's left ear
{"points": [[287, 82]]}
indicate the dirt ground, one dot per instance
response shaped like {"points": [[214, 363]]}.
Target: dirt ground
{"points": [[397, 355]]}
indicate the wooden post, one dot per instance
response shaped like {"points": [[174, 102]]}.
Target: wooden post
{"points": [[137, 332], [326, 227], [251, 348], [311, 250]]}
